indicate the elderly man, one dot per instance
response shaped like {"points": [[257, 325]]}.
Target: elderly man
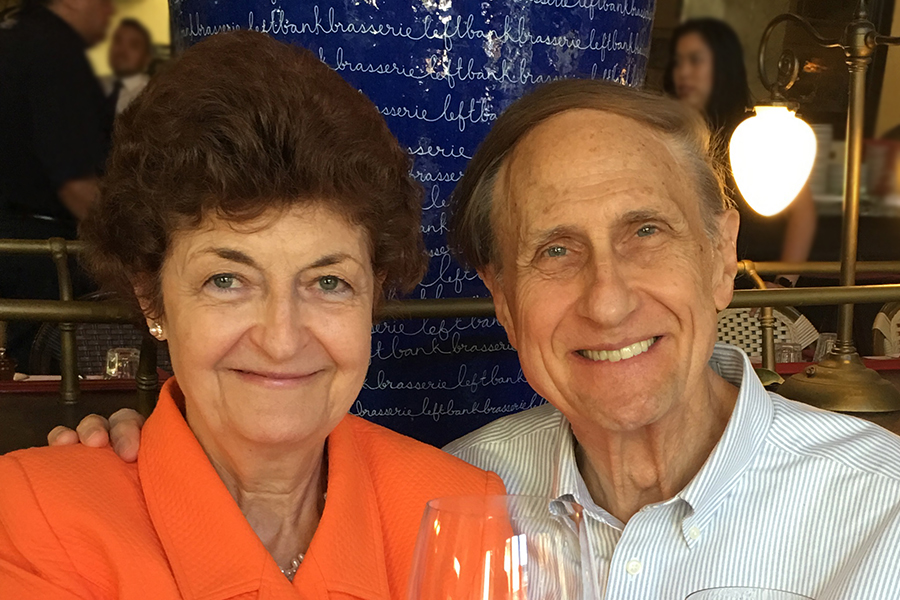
{"points": [[594, 216]]}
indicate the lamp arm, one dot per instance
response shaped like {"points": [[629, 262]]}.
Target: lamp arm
{"points": [[764, 41], [886, 40]]}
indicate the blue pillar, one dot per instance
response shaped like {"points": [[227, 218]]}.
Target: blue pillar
{"points": [[441, 71]]}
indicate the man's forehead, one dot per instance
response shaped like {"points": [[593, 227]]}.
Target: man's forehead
{"points": [[580, 155], [131, 33], [590, 140]]}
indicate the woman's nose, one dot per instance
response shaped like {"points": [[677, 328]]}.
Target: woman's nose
{"points": [[282, 331]]}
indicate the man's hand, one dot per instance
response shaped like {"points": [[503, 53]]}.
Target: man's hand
{"points": [[78, 195], [123, 430]]}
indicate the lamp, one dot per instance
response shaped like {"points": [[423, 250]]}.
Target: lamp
{"points": [[772, 155], [840, 381]]}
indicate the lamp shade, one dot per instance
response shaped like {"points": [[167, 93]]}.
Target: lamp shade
{"points": [[772, 154]]}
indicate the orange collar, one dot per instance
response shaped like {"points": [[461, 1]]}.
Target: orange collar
{"points": [[213, 551]]}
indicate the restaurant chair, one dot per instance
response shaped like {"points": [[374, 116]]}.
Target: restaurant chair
{"points": [[92, 342], [886, 330], [740, 327]]}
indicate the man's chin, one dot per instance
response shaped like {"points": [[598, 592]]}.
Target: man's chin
{"points": [[613, 414]]}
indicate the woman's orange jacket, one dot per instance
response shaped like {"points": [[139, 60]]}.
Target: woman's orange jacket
{"points": [[77, 522]]}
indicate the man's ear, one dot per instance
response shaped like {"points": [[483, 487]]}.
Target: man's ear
{"points": [[494, 285], [725, 258]]}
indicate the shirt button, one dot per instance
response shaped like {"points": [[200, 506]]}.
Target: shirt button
{"points": [[633, 566], [693, 533]]}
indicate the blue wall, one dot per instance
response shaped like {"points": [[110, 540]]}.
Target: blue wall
{"points": [[441, 71]]}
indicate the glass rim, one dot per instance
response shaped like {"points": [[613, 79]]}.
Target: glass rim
{"points": [[747, 587], [463, 504]]}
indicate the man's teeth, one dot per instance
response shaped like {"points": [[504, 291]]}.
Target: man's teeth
{"points": [[620, 354]]}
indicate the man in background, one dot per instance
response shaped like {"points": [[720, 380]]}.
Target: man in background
{"points": [[54, 136], [130, 54]]}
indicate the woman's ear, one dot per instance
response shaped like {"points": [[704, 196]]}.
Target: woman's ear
{"points": [[154, 322]]}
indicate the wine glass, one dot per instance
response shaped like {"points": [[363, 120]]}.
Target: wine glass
{"points": [[744, 593], [501, 548]]}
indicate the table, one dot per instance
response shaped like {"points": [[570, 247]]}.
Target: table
{"points": [[29, 410], [889, 368]]}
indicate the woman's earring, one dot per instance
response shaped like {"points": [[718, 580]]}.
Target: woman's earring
{"points": [[156, 330]]}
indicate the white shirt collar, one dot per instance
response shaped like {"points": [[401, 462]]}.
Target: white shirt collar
{"points": [[134, 81]]}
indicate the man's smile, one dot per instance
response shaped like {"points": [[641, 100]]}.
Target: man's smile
{"points": [[629, 351]]}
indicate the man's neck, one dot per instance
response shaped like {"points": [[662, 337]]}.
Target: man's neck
{"points": [[625, 471], [127, 76], [70, 17]]}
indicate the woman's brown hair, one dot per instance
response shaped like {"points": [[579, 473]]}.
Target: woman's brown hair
{"points": [[239, 126]]}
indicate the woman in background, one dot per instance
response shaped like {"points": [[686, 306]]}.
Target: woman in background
{"points": [[706, 70]]}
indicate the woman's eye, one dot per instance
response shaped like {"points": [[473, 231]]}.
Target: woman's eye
{"points": [[225, 281], [330, 283], [556, 251], [647, 230]]}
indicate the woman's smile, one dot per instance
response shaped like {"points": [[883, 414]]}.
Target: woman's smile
{"points": [[276, 379]]}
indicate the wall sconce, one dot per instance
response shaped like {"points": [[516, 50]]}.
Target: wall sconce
{"points": [[840, 381], [772, 155]]}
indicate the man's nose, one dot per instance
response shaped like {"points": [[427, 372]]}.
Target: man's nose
{"points": [[282, 328], [608, 296]]}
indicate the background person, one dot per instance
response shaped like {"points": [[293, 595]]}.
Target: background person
{"points": [[706, 71], [258, 244], [54, 138], [130, 54]]}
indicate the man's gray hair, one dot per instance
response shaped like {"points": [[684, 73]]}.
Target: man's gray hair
{"points": [[471, 234]]}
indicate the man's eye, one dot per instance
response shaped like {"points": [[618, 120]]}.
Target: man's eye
{"points": [[647, 230], [556, 251], [225, 281], [330, 283]]}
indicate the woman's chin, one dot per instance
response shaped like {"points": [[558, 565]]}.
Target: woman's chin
{"points": [[286, 431]]}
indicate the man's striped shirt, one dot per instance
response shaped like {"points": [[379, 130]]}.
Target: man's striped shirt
{"points": [[791, 498]]}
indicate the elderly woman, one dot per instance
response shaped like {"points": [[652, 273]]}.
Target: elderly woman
{"points": [[257, 208]]}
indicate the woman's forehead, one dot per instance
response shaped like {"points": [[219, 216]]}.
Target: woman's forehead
{"points": [[307, 229]]}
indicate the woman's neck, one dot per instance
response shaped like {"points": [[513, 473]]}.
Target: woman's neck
{"points": [[280, 489]]}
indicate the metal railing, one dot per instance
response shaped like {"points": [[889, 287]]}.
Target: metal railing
{"points": [[67, 311]]}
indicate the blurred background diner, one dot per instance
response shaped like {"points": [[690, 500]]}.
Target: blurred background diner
{"points": [[130, 53], [55, 128], [68, 67], [706, 70]]}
